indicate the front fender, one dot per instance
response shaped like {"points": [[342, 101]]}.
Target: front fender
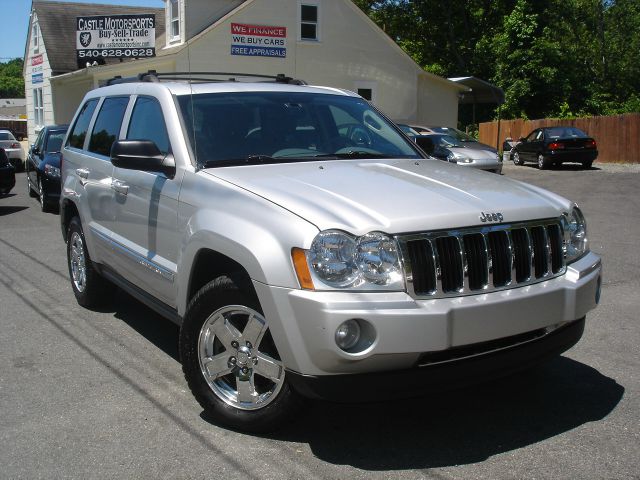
{"points": [[246, 228]]}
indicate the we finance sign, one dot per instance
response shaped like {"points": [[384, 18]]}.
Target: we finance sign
{"points": [[258, 40]]}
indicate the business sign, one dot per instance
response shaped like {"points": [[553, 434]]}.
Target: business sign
{"points": [[37, 60], [258, 40], [116, 36], [36, 78]]}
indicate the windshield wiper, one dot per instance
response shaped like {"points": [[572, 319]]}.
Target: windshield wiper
{"points": [[248, 160], [353, 154], [254, 160]]}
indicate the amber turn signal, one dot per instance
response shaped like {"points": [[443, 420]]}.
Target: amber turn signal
{"points": [[302, 268]]}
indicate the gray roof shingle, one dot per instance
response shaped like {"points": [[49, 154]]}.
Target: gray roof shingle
{"points": [[58, 26]]}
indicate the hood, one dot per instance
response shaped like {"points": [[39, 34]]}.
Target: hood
{"points": [[392, 196], [479, 146], [474, 153]]}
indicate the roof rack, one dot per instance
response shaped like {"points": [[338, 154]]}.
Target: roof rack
{"points": [[155, 77]]}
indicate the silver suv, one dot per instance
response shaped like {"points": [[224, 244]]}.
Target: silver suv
{"points": [[307, 248]]}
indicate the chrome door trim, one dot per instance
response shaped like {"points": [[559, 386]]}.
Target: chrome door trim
{"points": [[139, 259]]}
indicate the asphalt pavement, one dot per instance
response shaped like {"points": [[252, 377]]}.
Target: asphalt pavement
{"points": [[100, 394]]}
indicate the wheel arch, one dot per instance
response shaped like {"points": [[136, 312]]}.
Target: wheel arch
{"points": [[68, 210]]}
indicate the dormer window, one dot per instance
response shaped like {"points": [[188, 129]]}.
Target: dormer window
{"points": [[309, 22], [174, 20]]}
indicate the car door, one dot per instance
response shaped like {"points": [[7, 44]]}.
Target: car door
{"points": [[87, 158], [528, 147], [145, 228], [34, 158]]}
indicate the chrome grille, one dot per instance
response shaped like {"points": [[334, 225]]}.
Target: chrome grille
{"points": [[482, 259]]}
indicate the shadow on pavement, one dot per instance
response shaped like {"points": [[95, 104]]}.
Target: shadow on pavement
{"points": [[10, 209], [158, 330], [450, 428], [458, 427]]}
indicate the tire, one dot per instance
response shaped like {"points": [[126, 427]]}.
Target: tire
{"points": [[45, 205], [89, 287], [587, 165], [30, 191], [542, 162], [516, 159], [225, 326]]}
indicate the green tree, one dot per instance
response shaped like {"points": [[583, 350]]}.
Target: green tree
{"points": [[552, 57], [11, 80]]}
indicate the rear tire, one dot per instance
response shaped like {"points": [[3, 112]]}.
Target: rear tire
{"points": [[230, 360], [89, 287], [542, 162], [45, 205], [30, 191], [587, 165]]}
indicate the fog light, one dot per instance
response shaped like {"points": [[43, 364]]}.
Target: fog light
{"points": [[348, 334]]}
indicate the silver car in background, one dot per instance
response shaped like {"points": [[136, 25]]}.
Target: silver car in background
{"points": [[13, 149], [448, 148]]}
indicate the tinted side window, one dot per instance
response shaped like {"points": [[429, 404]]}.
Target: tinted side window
{"points": [[38, 142], [107, 126], [147, 123], [79, 132]]}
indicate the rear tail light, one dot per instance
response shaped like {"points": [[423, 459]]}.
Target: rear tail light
{"points": [[15, 145], [591, 144], [556, 146]]}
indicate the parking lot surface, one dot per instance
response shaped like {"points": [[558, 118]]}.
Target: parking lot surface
{"points": [[100, 394]]}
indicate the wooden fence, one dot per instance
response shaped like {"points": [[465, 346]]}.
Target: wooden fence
{"points": [[617, 136]]}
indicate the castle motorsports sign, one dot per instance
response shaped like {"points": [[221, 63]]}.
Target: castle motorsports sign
{"points": [[116, 36]]}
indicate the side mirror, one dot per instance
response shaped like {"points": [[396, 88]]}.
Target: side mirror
{"points": [[522, 139], [34, 150], [425, 143], [141, 155]]}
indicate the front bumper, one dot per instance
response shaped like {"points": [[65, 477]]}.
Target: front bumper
{"points": [[404, 329], [421, 380]]}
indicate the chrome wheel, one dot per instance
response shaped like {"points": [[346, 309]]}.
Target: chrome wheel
{"points": [[41, 193], [541, 163], [77, 262], [516, 159], [238, 359]]}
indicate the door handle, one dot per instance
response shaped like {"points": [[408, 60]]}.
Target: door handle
{"points": [[120, 187], [82, 173]]}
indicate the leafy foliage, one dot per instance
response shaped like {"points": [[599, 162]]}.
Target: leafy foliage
{"points": [[552, 57], [11, 80]]}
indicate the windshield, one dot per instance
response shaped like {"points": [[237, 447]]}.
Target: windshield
{"points": [[446, 141], [55, 141], [565, 132], [455, 133], [258, 127]]}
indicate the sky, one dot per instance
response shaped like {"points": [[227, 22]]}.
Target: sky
{"points": [[14, 22]]}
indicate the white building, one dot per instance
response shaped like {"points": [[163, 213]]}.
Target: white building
{"points": [[324, 42]]}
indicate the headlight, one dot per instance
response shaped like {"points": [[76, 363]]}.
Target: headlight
{"points": [[52, 171], [371, 262], [458, 158], [576, 243]]}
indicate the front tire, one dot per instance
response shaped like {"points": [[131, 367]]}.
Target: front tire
{"points": [[230, 361], [516, 159], [89, 287]]}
